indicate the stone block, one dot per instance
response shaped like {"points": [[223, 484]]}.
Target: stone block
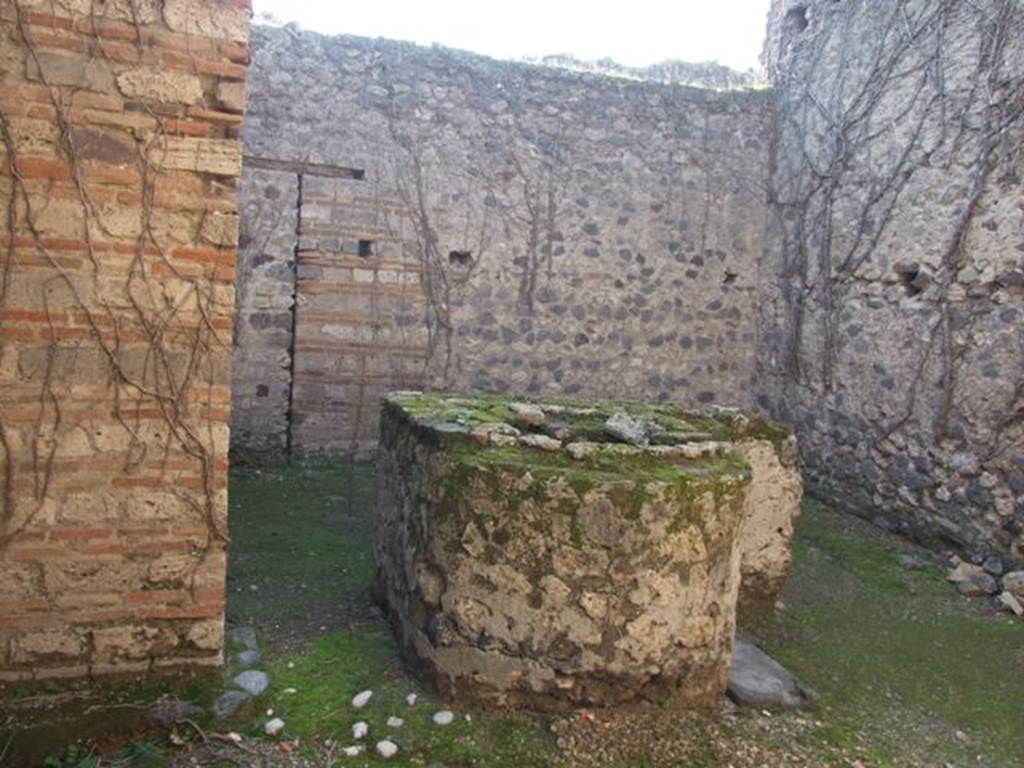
{"points": [[221, 157], [77, 71], [558, 578], [131, 642], [220, 229], [160, 85], [231, 95], [48, 645], [219, 20]]}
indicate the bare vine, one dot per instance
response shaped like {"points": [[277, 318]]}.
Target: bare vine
{"points": [[842, 115], [181, 335]]}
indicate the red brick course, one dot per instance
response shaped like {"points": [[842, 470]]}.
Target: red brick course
{"points": [[118, 219]]}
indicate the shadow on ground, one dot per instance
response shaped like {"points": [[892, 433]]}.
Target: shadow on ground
{"points": [[909, 672]]}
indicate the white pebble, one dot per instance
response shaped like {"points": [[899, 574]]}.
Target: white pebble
{"points": [[273, 727], [359, 730], [361, 699], [444, 717], [270, 713], [386, 749], [411, 699], [354, 751], [395, 722], [290, 691], [469, 718]]}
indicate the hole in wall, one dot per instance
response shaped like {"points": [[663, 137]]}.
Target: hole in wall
{"points": [[796, 19], [914, 281], [366, 249], [729, 278], [460, 258]]}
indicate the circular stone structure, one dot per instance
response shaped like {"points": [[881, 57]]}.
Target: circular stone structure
{"points": [[552, 555]]}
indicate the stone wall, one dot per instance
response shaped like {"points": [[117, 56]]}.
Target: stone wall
{"points": [[119, 159], [578, 553], [893, 322], [486, 225]]}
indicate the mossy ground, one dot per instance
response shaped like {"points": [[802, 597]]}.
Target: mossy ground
{"points": [[909, 673]]}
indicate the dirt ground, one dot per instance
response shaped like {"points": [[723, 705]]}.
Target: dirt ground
{"points": [[909, 673]]}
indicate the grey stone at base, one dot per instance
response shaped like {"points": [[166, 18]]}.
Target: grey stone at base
{"points": [[247, 658], [757, 680], [252, 682], [244, 636], [228, 703]]}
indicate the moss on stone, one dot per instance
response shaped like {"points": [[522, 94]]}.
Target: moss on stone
{"points": [[585, 418]]}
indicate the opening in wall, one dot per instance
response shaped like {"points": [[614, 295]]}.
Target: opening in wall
{"points": [[796, 19], [914, 280], [366, 249]]}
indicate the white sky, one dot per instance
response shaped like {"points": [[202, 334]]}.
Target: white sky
{"points": [[633, 32]]}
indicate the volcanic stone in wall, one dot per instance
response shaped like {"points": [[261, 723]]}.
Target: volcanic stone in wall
{"points": [[553, 555]]}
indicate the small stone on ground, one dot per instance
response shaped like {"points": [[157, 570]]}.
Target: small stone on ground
{"points": [[1010, 603], [971, 580], [993, 565], [444, 717], [359, 730], [252, 681], [229, 703], [757, 680], [387, 749], [1013, 583], [244, 636], [527, 413], [247, 658], [543, 442], [411, 699], [273, 727], [395, 722], [627, 429], [361, 699]]}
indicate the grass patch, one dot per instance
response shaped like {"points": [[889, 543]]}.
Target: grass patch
{"points": [[300, 554], [903, 664], [305, 541], [341, 664]]}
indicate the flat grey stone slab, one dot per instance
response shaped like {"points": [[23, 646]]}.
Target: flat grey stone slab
{"points": [[228, 703], [247, 658], [757, 680], [252, 681]]}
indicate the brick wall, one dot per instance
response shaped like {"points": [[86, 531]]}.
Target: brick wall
{"points": [[118, 172], [523, 229]]}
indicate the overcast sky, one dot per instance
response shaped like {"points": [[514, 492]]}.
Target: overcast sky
{"points": [[634, 32]]}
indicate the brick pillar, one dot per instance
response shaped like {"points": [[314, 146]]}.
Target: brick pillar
{"points": [[118, 225]]}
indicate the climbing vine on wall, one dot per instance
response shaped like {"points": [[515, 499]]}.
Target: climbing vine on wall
{"points": [[900, 128], [836, 109], [158, 315]]}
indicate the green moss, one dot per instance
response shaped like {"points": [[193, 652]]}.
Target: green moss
{"points": [[470, 410], [628, 498], [576, 532]]}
